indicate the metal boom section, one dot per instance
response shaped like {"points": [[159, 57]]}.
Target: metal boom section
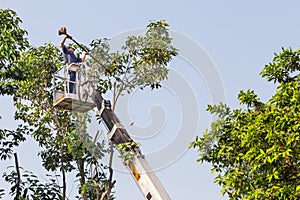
{"points": [[139, 168]]}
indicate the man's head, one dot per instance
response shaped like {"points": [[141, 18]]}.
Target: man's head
{"points": [[72, 49]]}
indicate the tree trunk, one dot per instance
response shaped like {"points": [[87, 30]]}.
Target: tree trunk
{"points": [[80, 164], [63, 173], [64, 184]]}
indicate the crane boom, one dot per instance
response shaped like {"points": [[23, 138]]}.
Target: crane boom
{"points": [[139, 168]]}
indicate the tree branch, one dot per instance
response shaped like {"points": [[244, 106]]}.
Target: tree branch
{"points": [[18, 193], [80, 164], [63, 170]]}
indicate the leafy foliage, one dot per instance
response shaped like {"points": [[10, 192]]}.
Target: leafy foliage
{"points": [[283, 66], [255, 151], [128, 151], [13, 42], [31, 187], [10, 139], [2, 192], [92, 189], [142, 63]]}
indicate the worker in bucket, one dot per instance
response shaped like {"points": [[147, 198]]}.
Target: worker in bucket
{"points": [[71, 58]]}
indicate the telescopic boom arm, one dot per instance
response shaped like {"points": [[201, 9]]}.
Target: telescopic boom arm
{"points": [[139, 168]]}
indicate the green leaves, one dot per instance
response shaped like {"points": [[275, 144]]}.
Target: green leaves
{"points": [[249, 98], [12, 37], [128, 151], [141, 63], [13, 42], [11, 139], [283, 66], [31, 188], [255, 152], [2, 192]]}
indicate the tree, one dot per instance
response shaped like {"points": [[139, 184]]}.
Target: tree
{"points": [[65, 144], [255, 151], [13, 42], [142, 61]]}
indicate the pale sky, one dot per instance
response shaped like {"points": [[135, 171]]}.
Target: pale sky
{"points": [[236, 37]]}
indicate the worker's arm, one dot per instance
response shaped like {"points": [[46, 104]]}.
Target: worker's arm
{"points": [[83, 58], [64, 39]]}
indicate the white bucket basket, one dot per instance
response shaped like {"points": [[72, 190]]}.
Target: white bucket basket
{"points": [[80, 100]]}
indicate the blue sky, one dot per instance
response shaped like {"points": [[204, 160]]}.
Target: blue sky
{"points": [[239, 37]]}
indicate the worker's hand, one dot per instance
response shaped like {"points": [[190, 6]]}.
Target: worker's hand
{"points": [[87, 53]]}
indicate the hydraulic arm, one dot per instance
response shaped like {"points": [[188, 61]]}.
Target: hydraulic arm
{"points": [[139, 168]]}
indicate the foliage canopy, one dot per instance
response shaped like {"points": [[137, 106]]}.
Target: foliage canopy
{"points": [[255, 151]]}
